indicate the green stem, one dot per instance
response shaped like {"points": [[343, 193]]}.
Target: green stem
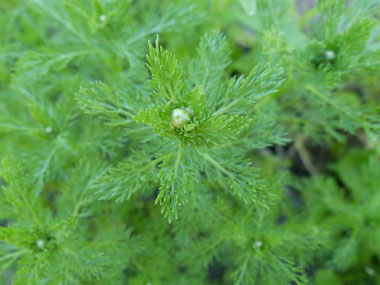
{"points": [[179, 156], [225, 109], [304, 155], [215, 163]]}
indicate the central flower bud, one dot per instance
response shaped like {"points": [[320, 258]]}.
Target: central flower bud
{"points": [[40, 243], [330, 55], [180, 117]]}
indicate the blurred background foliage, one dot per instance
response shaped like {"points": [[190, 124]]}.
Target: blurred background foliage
{"points": [[321, 165]]}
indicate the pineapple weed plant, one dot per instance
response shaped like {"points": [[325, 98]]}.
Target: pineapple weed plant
{"points": [[189, 142]]}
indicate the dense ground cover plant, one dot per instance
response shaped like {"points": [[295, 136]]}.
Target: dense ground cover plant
{"points": [[189, 142]]}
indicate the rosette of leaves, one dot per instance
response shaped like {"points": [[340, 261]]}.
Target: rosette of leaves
{"points": [[193, 117]]}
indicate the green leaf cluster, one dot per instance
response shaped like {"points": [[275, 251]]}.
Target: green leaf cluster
{"points": [[189, 142]]}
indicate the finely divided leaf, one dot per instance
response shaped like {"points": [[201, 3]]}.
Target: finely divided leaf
{"points": [[242, 93], [167, 79]]}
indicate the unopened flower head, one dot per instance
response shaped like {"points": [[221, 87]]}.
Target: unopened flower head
{"points": [[180, 117], [40, 243], [330, 55]]}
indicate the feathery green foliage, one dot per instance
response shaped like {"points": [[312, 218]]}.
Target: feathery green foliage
{"points": [[189, 142]]}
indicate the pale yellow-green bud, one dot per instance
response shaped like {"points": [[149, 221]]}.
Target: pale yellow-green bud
{"points": [[40, 243], [330, 55], [180, 117]]}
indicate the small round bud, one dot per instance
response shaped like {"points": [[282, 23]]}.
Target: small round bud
{"points": [[330, 55], [180, 117], [370, 271], [102, 18], [40, 243], [48, 130], [258, 244]]}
